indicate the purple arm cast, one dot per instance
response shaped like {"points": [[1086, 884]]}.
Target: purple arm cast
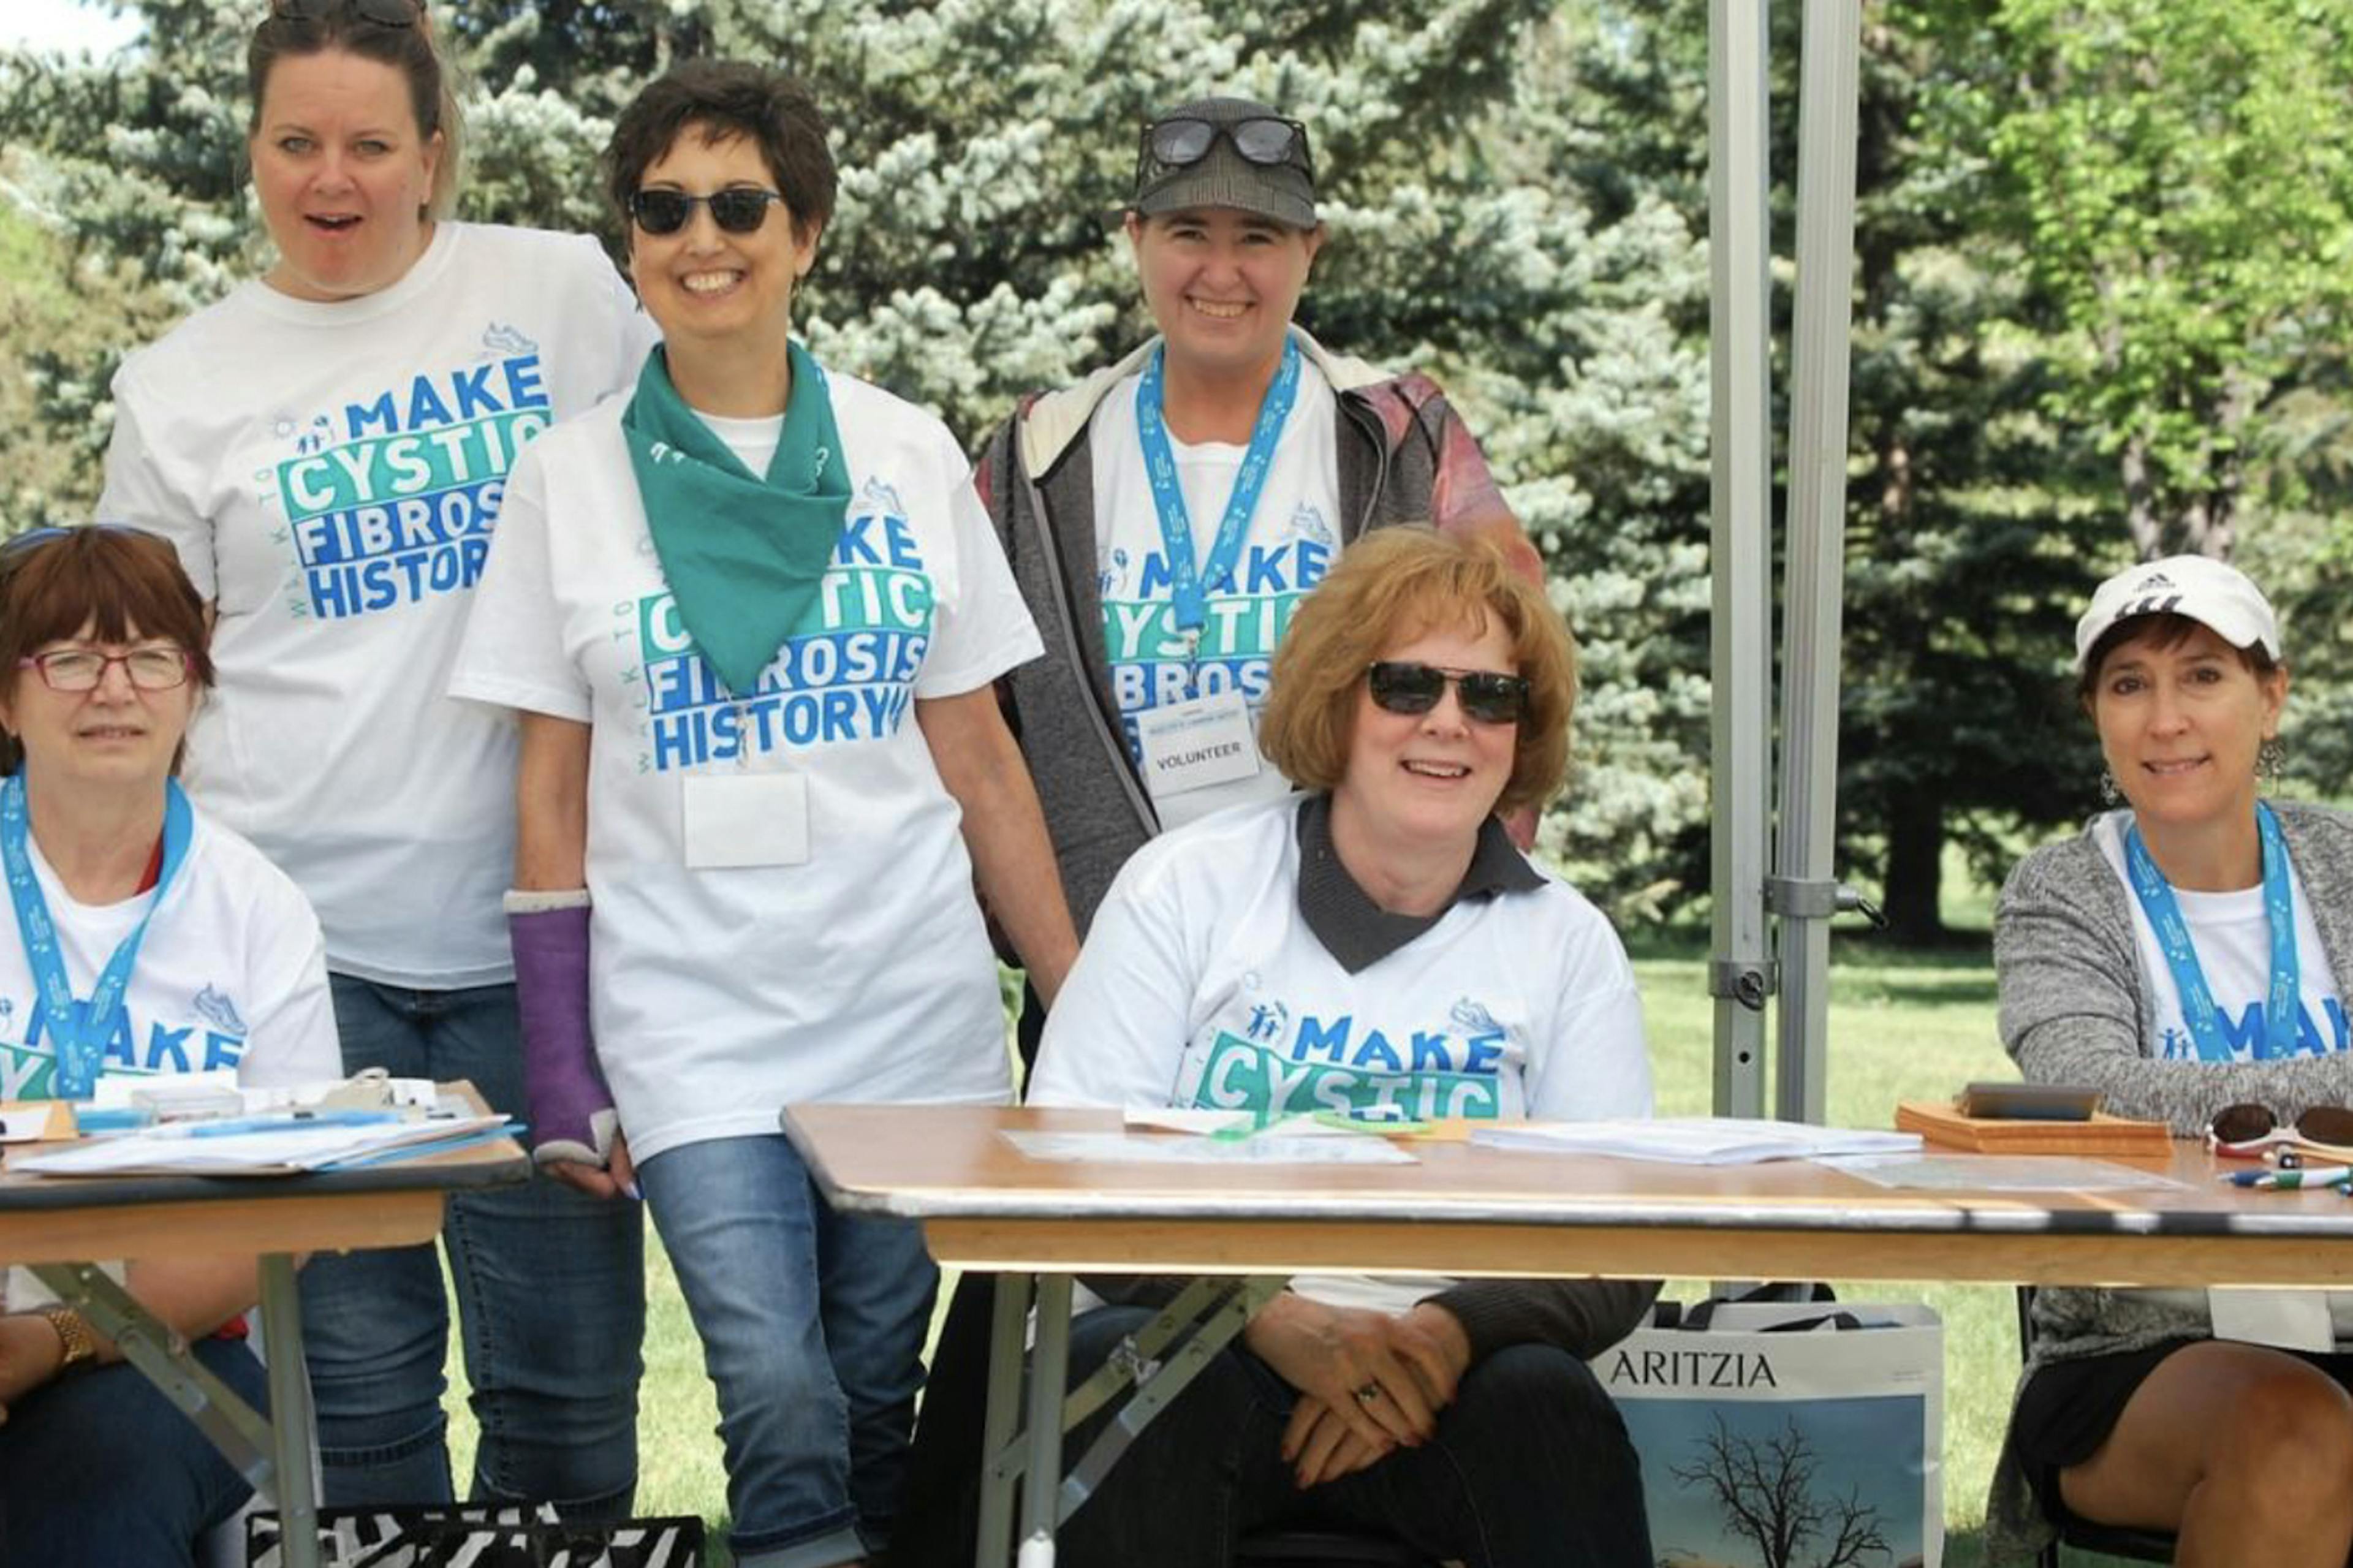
{"points": [[572, 1114]]}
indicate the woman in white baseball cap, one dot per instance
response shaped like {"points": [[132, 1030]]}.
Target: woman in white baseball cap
{"points": [[2184, 954]]}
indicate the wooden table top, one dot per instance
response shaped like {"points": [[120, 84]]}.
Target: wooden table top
{"points": [[1464, 1209], [67, 1219]]}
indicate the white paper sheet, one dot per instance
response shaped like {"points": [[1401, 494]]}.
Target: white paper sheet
{"points": [[1694, 1139]]}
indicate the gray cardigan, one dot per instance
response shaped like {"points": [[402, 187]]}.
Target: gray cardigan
{"points": [[2078, 1006]]}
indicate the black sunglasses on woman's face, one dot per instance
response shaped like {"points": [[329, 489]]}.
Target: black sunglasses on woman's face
{"points": [[738, 209], [1490, 697]]}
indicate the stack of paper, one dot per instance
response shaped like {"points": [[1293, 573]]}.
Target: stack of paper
{"points": [[271, 1144], [1694, 1139]]}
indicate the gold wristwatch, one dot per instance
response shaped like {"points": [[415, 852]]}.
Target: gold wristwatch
{"points": [[73, 1333]]}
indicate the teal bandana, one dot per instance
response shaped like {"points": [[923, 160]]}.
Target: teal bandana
{"points": [[742, 554]]}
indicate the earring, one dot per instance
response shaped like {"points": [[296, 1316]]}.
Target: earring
{"points": [[2269, 758], [2109, 793]]}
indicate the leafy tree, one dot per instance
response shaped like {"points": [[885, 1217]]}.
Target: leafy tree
{"points": [[2189, 206]]}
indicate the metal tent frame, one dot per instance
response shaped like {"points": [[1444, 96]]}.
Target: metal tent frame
{"points": [[1752, 961]]}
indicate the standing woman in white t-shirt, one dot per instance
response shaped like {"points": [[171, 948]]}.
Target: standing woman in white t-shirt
{"points": [[328, 448], [2186, 955], [753, 616], [143, 941]]}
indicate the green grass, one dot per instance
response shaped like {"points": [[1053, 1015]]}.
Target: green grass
{"points": [[1902, 1024]]}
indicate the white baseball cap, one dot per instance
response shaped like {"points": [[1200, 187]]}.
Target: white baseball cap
{"points": [[2205, 590]]}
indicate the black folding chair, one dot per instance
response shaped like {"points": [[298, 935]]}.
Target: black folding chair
{"points": [[2109, 1540]]}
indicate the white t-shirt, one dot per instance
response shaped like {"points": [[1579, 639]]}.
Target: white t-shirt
{"points": [[331, 473], [863, 973], [2233, 935], [1294, 535], [231, 974], [1200, 985]]}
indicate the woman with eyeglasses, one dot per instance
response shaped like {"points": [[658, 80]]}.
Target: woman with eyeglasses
{"points": [[1374, 946], [753, 616], [328, 447], [147, 940], [2186, 957]]}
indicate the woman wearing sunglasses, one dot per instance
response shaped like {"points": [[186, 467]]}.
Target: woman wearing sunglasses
{"points": [[327, 447], [2186, 957], [146, 940], [1375, 946], [753, 617]]}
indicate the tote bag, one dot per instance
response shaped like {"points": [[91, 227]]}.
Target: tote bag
{"points": [[1788, 1434]]}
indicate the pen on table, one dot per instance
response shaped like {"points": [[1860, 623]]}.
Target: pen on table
{"points": [[281, 1121], [2287, 1181]]}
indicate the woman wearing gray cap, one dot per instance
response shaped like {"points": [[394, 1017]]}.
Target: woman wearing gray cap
{"points": [[2185, 955], [1164, 516]]}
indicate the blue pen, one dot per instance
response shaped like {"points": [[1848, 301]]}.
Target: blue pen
{"points": [[286, 1121]]}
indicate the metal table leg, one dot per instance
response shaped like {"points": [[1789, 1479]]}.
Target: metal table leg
{"points": [[290, 1416], [272, 1455], [1050, 1367], [1000, 1465]]}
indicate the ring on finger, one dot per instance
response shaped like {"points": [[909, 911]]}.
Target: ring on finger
{"points": [[1369, 1393]]}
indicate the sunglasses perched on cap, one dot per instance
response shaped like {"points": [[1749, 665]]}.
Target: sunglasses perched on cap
{"points": [[1401, 686], [738, 209], [1265, 140], [2249, 1131], [382, 12]]}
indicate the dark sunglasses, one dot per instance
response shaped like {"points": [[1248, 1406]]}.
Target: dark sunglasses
{"points": [[738, 209], [1263, 140], [2248, 1130], [382, 12], [1399, 686]]}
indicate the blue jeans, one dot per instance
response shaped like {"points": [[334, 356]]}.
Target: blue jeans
{"points": [[98, 1468], [551, 1294], [1530, 1468], [812, 1327]]}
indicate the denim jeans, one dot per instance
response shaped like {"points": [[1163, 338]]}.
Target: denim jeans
{"points": [[1530, 1468], [551, 1296], [812, 1327], [100, 1469]]}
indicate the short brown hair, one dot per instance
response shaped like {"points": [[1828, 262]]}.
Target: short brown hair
{"points": [[54, 581], [2165, 631], [1393, 585], [411, 51], [725, 100]]}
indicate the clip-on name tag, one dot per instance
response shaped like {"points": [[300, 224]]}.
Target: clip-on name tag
{"points": [[1194, 745], [746, 819]]}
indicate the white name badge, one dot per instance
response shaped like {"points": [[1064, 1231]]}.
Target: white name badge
{"points": [[746, 819], [1193, 746], [2289, 1320]]}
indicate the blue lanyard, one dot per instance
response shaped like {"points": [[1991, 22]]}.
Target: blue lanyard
{"points": [[78, 1031], [1185, 578], [2282, 1012]]}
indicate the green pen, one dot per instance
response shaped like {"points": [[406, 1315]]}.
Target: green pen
{"points": [[1362, 1122]]}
